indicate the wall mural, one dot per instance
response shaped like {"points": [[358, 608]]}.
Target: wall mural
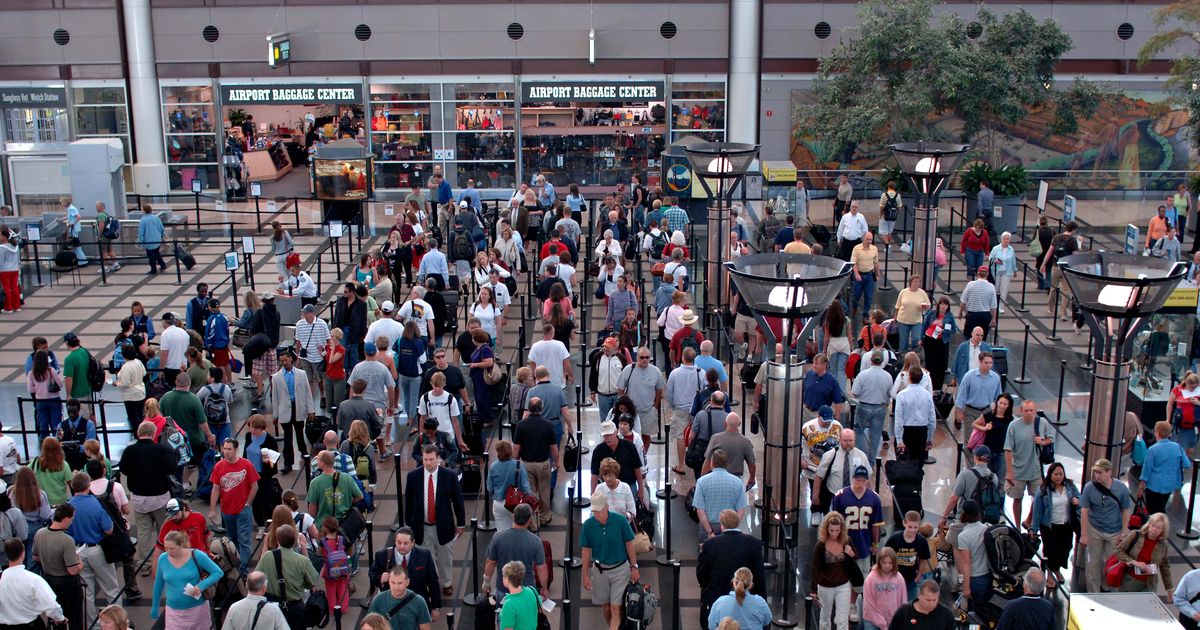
{"points": [[1132, 143]]}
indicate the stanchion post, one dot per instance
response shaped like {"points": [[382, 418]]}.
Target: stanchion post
{"points": [[475, 596], [304, 464], [399, 492], [1024, 283], [178, 265], [1022, 379], [784, 619], [1054, 325], [665, 493], [1062, 376], [1189, 533], [570, 560], [337, 616], [487, 525], [666, 559], [765, 523], [676, 621]]}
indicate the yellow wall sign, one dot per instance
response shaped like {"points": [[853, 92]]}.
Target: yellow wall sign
{"points": [[1183, 297], [779, 171]]}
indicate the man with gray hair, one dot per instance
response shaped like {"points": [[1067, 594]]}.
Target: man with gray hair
{"points": [[517, 544], [1031, 611], [417, 310], [872, 390], [341, 462], [255, 611]]}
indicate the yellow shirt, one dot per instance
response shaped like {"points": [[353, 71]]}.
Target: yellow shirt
{"points": [[864, 258], [908, 306], [797, 247]]}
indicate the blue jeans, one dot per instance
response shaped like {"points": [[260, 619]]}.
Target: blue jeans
{"points": [[410, 392], [353, 357], [866, 289], [240, 528], [867, 625], [220, 431], [48, 414], [974, 260], [605, 404], [981, 588], [837, 365], [868, 428], [998, 466], [910, 336]]}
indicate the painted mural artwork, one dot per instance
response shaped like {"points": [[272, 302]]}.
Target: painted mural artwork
{"points": [[1138, 142]]}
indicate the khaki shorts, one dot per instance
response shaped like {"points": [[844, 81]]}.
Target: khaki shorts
{"points": [[608, 587], [1021, 486], [744, 324], [680, 419], [649, 418]]}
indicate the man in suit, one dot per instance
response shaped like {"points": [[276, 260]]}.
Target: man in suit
{"points": [[966, 357], [291, 403], [422, 573], [721, 556], [430, 519]]}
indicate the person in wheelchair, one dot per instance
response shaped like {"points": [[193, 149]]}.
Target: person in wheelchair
{"points": [[447, 449]]}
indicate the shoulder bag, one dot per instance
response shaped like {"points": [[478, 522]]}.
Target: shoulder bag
{"points": [[211, 591], [514, 496], [1114, 569]]}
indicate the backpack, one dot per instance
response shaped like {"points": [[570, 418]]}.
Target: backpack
{"points": [[175, 439], [462, 248], [215, 407], [1061, 249], [337, 563], [769, 229], [891, 206], [640, 604], [689, 342], [988, 496], [657, 245], [95, 373], [112, 228], [361, 459]]}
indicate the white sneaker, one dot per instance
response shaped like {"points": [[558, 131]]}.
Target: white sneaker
{"points": [[815, 521]]}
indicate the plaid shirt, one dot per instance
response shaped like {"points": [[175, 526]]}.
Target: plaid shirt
{"points": [[719, 490], [677, 218]]}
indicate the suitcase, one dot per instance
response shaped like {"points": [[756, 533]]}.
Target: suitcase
{"points": [[470, 470], [1000, 364], [944, 403], [549, 551], [902, 472]]}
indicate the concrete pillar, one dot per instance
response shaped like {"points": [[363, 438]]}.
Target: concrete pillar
{"points": [[150, 167], [745, 37]]}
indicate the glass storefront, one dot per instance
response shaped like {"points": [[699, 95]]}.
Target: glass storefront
{"points": [[190, 125], [101, 111], [698, 109]]}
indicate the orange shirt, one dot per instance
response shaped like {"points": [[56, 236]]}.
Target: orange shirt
{"points": [[1157, 229]]}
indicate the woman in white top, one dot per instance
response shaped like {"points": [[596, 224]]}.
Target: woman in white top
{"points": [[609, 247], [508, 247], [487, 312], [130, 380], [10, 272], [911, 360], [619, 495], [669, 320], [483, 266], [609, 273], [1003, 260]]}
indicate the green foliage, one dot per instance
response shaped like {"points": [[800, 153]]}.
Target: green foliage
{"points": [[1184, 17], [1009, 180], [892, 173], [237, 117], [907, 64], [970, 176], [1194, 185]]}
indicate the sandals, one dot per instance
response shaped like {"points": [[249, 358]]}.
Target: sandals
{"points": [[679, 471]]}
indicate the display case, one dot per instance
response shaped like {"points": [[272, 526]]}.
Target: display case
{"points": [[1162, 354], [269, 164], [780, 181]]}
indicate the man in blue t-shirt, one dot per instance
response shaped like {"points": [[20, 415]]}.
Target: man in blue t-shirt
{"points": [[863, 511]]}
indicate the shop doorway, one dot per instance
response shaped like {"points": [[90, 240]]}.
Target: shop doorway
{"points": [[595, 142], [271, 145]]}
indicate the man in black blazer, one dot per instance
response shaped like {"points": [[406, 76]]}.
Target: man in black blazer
{"points": [[432, 524], [721, 556], [422, 573]]}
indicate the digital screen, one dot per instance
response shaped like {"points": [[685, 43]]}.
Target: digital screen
{"points": [[280, 52], [342, 179]]}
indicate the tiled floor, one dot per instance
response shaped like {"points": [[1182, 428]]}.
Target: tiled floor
{"points": [[94, 309]]}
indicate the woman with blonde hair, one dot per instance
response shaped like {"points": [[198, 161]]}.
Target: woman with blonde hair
{"points": [[252, 303], [830, 579], [182, 575], [740, 605], [508, 250], [281, 516], [1143, 547], [359, 445], [375, 621], [505, 472], [1181, 412], [113, 617], [884, 591], [53, 473], [911, 360], [382, 273]]}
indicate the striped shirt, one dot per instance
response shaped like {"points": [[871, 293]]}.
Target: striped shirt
{"points": [[979, 296], [312, 338]]}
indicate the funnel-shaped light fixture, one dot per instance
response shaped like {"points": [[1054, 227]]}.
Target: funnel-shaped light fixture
{"points": [[928, 165]]}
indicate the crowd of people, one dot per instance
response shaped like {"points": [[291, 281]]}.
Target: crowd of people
{"points": [[383, 371]]}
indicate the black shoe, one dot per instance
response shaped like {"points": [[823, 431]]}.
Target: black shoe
{"points": [[132, 596], [285, 470]]}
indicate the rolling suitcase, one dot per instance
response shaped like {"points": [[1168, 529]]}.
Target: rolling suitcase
{"points": [[1000, 364]]}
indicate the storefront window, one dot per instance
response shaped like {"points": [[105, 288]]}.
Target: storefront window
{"points": [[698, 109], [483, 140], [590, 160], [37, 125], [191, 136], [100, 112]]}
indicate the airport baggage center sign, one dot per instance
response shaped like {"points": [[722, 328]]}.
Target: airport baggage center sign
{"points": [[291, 94], [592, 91]]}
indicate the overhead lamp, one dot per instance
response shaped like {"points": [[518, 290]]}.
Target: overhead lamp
{"points": [[592, 46], [928, 165]]}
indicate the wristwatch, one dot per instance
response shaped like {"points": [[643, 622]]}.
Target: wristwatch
{"points": [[634, 565]]}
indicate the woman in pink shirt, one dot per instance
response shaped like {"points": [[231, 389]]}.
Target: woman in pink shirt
{"points": [[884, 591]]}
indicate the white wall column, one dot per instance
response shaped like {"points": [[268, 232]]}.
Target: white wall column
{"points": [[150, 168], [745, 35]]}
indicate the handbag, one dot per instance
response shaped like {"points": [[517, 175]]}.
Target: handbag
{"points": [[1114, 569], [1035, 247], [514, 495], [571, 455], [1045, 451], [211, 591], [240, 337], [642, 544], [976, 439], [1140, 514], [1138, 454], [494, 374], [657, 269], [853, 571], [696, 447], [292, 260]]}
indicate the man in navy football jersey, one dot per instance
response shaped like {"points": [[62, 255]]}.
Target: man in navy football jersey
{"points": [[863, 510]]}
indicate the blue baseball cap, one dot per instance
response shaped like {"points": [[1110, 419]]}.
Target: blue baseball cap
{"points": [[369, 348], [861, 472], [825, 412]]}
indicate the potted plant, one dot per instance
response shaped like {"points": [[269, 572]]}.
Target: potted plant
{"points": [[1008, 184]]}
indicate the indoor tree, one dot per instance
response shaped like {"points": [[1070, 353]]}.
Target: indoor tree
{"points": [[1183, 17]]}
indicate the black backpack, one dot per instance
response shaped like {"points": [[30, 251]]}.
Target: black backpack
{"points": [[891, 205], [95, 373], [215, 407], [1061, 249], [462, 248], [117, 547], [112, 228]]}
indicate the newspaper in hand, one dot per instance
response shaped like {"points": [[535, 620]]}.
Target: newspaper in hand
{"points": [[270, 456]]}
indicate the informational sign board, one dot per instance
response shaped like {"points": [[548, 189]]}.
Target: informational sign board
{"points": [[1043, 193], [197, 186], [255, 189], [292, 94], [336, 229], [231, 261], [33, 233], [247, 244], [389, 210], [592, 91], [27, 97], [1068, 208], [1131, 239]]}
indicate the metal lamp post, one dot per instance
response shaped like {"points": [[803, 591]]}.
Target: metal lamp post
{"points": [[1117, 293], [795, 289], [727, 163], [928, 166]]}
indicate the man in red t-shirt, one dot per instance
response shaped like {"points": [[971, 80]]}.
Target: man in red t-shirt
{"points": [[235, 482], [181, 518]]}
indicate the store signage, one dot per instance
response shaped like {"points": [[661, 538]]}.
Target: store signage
{"points": [[22, 97], [1183, 298], [291, 94], [679, 178], [1068, 208], [1043, 192], [1131, 239], [559, 91]]}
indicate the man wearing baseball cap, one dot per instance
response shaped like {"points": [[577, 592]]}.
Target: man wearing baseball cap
{"points": [[386, 326], [979, 302], [609, 561], [859, 499], [216, 339], [181, 518], [1105, 504], [625, 453], [311, 335], [75, 369]]}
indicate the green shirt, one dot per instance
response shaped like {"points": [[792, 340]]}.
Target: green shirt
{"points": [[607, 542], [332, 501], [520, 610], [199, 375], [53, 482], [101, 221], [298, 573], [414, 613], [185, 409], [75, 367]]}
